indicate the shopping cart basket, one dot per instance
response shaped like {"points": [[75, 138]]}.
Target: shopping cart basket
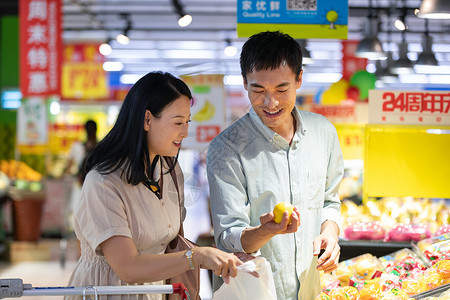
{"points": [[15, 288]]}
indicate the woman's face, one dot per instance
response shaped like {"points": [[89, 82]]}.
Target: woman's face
{"points": [[165, 134]]}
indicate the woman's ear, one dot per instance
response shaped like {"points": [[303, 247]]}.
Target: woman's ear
{"points": [[147, 120]]}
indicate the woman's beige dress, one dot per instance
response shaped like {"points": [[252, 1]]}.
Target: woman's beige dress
{"points": [[111, 207]]}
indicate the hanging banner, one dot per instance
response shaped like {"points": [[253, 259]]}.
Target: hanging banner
{"points": [[40, 47], [207, 111], [409, 107], [83, 76], [299, 19]]}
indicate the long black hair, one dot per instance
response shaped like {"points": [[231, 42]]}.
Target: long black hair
{"points": [[268, 51], [126, 143]]}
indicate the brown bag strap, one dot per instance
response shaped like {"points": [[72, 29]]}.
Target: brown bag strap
{"points": [[175, 181]]}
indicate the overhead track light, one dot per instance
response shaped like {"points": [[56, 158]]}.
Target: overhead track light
{"points": [[123, 38], [307, 59], [385, 74], [434, 9], [400, 22], [427, 57], [185, 19], [105, 48], [403, 64], [370, 46], [229, 50]]}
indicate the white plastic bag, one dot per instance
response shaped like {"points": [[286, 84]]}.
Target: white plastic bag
{"points": [[246, 286]]}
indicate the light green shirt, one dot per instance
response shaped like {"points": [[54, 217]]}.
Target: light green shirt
{"points": [[251, 169]]}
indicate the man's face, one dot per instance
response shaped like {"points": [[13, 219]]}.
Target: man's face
{"points": [[272, 94]]}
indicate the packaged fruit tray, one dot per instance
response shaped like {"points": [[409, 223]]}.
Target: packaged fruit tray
{"points": [[431, 293]]}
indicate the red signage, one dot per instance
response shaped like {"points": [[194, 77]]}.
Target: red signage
{"points": [[206, 133], [413, 108], [40, 47], [351, 63]]}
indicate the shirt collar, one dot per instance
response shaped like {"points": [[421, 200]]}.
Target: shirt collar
{"points": [[269, 134]]}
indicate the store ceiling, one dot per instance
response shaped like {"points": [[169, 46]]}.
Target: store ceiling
{"points": [[158, 43]]}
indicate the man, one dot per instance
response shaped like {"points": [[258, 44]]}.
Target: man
{"points": [[277, 153]]}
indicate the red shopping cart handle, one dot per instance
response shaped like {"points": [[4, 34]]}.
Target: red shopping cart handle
{"points": [[180, 289]]}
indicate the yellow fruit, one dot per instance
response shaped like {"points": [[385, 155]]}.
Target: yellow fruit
{"points": [[205, 113], [279, 210]]}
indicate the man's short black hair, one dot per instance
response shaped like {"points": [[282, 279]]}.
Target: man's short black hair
{"points": [[270, 50]]}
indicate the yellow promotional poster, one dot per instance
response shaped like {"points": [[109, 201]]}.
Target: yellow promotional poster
{"points": [[84, 81], [83, 76], [351, 140], [407, 160], [207, 110]]}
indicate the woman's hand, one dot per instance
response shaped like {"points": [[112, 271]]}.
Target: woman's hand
{"points": [[223, 264]]}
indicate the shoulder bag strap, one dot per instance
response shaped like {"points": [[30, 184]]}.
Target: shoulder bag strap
{"points": [[174, 178]]}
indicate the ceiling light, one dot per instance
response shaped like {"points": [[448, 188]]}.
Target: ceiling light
{"points": [[230, 50], [434, 9], [307, 59], [123, 38], [185, 19], [111, 66], [427, 56], [400, 24], [370, 46], [105, 49], [403, 64], [383, 73]]}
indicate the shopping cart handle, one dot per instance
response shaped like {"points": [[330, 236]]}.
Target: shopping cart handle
{"points": [[180, 289], [12, 288]]}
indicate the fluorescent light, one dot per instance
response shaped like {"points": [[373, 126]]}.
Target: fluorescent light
{"points": [[129, 78], [425, 69], [233, 80], [321, 77], [111, 66]]}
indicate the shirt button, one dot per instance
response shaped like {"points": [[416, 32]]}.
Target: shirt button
{"points": [[162, 245], [163, 203], [170, 225]]}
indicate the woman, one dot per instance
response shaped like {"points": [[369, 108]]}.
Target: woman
{"points": [[129, 209]]}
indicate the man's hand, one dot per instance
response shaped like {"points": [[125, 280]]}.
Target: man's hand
{"points": [[268, 224], [254, 238], [328, 240]]}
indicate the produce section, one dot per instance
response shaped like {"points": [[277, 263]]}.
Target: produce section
{"points": [[404, 274]]}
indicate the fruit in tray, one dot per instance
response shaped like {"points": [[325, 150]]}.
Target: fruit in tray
{"points": [[404, 232], [364, 231], [436, 248], [445, 228], [19, 170], [442, 268]]}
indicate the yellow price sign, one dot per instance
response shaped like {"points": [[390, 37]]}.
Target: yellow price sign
{"points": [[351, 139]]}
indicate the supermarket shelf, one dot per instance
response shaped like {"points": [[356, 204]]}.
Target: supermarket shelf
{"points": [[353, 248]]}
